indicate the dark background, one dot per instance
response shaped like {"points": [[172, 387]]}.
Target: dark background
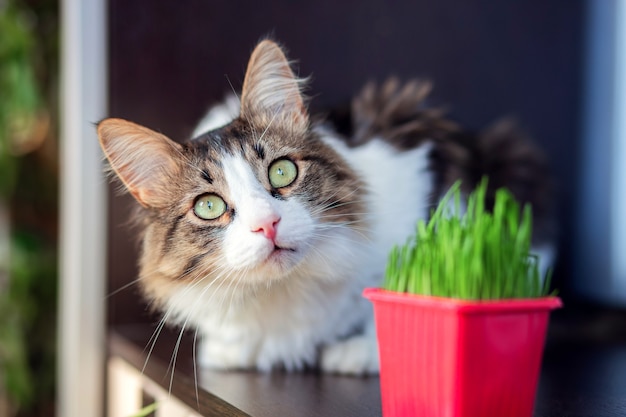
{"points": [[170, 60]]}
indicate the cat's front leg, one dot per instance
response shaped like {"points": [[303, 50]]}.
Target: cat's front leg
{"points": [[214, 354], [229, 347], [357, 355]]}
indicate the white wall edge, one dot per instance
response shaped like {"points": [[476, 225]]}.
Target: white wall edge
{"points": [[618, 180], [601, 235], [81, 340]]}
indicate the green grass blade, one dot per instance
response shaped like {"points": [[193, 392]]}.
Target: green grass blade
{"points": [[477, 255]]}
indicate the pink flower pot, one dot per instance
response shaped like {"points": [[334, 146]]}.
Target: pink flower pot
{"points": [[443, 357]]}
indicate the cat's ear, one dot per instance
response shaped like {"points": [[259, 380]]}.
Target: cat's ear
{"points": [[144, 160], [271, 89]]}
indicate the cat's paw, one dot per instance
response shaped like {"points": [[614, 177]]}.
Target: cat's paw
{"points": [[222, 357], [355, 356]]}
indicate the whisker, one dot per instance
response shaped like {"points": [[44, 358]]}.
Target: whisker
{"points": [[268, 126], [361, 242], [155, 335], [153, 339], [172, 364], [175, 357], [195, 366], [122, 288], [231, 86]]}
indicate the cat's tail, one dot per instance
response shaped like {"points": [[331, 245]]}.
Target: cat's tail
{"points": [[509, 158], [398, 113]]}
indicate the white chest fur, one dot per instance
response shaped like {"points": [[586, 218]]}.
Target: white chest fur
{"points": [[399, 191]]}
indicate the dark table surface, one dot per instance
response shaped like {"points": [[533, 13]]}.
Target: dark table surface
{"points": [[583, 374]]}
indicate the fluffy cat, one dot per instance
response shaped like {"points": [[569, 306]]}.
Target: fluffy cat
{"points": [[262, 231]]}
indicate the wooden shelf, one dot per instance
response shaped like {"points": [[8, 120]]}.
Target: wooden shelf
{"points": [[306, 394], [583, 374]]}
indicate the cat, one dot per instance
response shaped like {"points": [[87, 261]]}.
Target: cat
{"points": [[263, 230]]}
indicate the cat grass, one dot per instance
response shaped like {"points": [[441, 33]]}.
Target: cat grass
{"points": [[477, 255]]}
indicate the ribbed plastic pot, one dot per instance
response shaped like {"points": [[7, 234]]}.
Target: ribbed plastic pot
{"points": [[443, 357]]}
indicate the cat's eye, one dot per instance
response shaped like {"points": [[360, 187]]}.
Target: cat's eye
{"points": [[209, 207], [282, 173]]}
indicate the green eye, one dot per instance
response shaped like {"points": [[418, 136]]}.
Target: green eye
{"points": [[282, 173], [209, 207]]}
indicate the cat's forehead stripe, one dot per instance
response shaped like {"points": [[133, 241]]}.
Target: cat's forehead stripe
{"points": [[260, 151], [206, 176]]}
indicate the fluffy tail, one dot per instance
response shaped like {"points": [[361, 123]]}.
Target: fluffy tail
{"points": [[398, 114]]}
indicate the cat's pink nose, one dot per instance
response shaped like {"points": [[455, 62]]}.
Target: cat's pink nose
{"points": [[267, 227]]}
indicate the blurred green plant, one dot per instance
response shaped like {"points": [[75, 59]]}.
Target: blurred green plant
{"points": [[28, 183], [26, 341], [147, 410], [20, 98]]}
